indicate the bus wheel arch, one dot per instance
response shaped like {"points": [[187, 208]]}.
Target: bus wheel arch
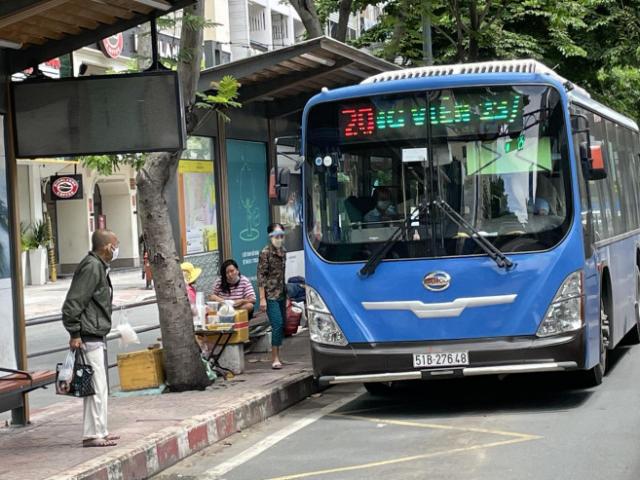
{"points": [[594, 376], [606, 301]]}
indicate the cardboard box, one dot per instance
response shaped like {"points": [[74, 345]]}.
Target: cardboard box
{"points": [[140, 370]]}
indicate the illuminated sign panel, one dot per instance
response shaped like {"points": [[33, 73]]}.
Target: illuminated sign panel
{"points": [[406, 117]]}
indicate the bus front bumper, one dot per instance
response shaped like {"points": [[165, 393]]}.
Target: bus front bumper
{"points": [[363, 363]]}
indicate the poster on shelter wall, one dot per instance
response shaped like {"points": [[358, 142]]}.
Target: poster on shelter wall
{"points": [[248, 203], [199, 206], [7, 346]]}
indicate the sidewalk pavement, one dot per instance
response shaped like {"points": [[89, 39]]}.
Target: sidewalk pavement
{"points": [[156, 431], [128, 287]]}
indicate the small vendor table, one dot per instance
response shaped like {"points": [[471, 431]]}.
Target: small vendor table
{"points": [[222, 340]]}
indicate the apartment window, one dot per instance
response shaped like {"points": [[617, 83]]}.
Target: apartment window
{"points": [[257, 21], [279, 27]]}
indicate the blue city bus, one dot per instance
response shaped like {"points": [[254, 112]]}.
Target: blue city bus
{"points": [[468, 220]]}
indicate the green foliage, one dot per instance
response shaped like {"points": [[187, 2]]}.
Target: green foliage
{"points": [[26, 238], [595, 43], [195, 22], [34, 236], [39, 233], [479, 29], [225, 96], [106, 165]]}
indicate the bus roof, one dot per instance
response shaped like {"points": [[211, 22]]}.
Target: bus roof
{"points": [[529, 66]]}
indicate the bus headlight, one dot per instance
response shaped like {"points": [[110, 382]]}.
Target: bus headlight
{"points": [[323, 328], [565, 314]]}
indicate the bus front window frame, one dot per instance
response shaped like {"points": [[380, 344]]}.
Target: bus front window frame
{"points": [[322, 191]]}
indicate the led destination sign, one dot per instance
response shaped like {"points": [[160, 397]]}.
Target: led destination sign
{"points": [[406, 118]]}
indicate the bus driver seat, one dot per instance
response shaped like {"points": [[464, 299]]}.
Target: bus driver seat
{"points": [[357, 207]]}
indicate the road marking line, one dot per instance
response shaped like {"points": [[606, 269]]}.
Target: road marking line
{"points": [[276, 437], [406, 423], [401, 459]]}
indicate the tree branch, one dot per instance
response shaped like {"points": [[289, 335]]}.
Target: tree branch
{"points": [[484, 13], [343, 19], [444, 34], [309, 16], [457, 13]]}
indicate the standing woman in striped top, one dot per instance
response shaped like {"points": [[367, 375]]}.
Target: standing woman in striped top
{"points": [[233, 286]]}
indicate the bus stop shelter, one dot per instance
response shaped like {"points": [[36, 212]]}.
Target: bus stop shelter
{"points": [[32, 32]]}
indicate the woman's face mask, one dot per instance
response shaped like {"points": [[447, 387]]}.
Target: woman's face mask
{"points": [[233, 276], [277, 241]]}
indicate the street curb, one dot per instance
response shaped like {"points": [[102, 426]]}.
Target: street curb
{"points": [[166, 447]]}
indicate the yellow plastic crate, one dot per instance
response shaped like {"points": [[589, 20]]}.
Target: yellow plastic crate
{"points": [[141, 369]]}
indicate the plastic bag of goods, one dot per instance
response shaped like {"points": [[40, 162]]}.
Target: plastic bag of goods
{"points": [[226, 313], [64, 373], [128, 335]]}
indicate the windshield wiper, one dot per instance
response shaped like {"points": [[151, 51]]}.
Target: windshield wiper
{"points": [[375, 259], [494, 253]]}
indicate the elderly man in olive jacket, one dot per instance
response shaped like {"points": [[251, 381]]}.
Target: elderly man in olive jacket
{"points": [[86, 314]]}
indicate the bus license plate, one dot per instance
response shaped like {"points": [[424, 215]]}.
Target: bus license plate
{"points": [[444, 359]]}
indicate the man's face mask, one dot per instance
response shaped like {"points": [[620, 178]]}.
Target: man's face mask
{"points": [[115, 252]]}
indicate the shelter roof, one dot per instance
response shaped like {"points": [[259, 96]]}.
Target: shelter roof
{"points": [[33, 31], [286, 78]]}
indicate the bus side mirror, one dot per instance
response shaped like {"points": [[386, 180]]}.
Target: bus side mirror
{"points": [[279, 181], [593, 157]]}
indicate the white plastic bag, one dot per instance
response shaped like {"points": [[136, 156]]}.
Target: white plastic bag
{"points": [[66, 370], [226, 313], [128, 335]]}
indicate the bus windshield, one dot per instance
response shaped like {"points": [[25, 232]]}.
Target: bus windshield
{"points": [[497, 155]]}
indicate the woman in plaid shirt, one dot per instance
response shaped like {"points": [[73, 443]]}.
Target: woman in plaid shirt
{"points": [[272, 288]]}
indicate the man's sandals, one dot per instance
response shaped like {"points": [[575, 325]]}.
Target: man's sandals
{"points": [[108, 441]]}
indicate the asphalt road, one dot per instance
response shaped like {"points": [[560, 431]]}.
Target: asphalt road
{"points": [[541, 427], [53, 335]]}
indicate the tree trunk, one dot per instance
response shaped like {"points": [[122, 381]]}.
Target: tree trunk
{"points": [[474, 19], [182, 362], [455, 9], [309, 16], [343, 20], [144, 46]]}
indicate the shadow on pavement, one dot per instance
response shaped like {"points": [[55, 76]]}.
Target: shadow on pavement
{"points": [[530, 393], [526, 393]]}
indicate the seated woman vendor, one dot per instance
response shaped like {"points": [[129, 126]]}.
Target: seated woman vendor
{"points": [[233, 286]]}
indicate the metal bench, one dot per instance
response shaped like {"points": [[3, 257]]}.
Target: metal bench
{"points": [[18, 382]]}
